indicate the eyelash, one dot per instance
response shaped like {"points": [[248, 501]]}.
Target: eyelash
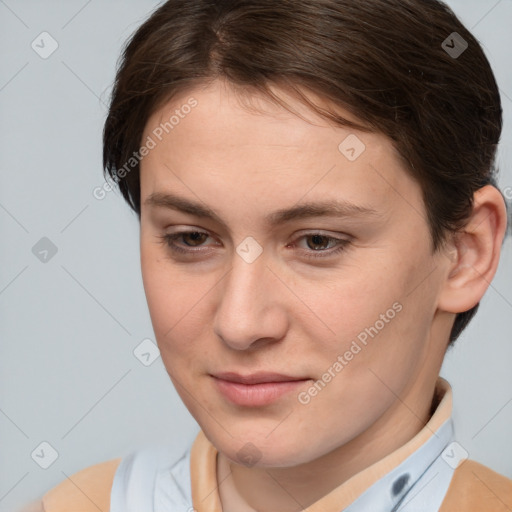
{"points": [[342, 244]]}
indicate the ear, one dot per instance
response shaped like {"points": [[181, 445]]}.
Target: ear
{"points": [[475, 252]]}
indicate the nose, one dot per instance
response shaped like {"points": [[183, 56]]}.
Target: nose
{"points": [[250, 310]]}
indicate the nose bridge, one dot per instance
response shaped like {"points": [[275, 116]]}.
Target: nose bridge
{"points": [[249, 307]]}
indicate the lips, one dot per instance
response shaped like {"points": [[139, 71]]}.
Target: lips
{"points": [[257, 389], [257, 378]]}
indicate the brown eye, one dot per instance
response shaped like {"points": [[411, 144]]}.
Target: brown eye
{"points": [[186, 242], [320, 245], [194, 238], [318, 242]]}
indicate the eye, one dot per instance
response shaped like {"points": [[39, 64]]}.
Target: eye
{"points": [[319, 245], [190, 240]]}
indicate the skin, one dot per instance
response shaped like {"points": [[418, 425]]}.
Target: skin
{"points": [[290, 313]]}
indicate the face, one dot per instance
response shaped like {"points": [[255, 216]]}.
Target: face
{"points": [[271, 243]]}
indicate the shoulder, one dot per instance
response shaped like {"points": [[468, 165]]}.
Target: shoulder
{"points": [[85, 491], [475, 487], [34, 506]]}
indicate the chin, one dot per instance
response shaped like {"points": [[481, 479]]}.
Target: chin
{"points": [[259, 451]]}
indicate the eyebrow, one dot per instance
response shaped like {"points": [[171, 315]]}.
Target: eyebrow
{"points": [[333, 208]]}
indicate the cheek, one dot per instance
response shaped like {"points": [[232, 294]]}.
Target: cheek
{"points": [[174, 301], [351, 301], [376, 316]]}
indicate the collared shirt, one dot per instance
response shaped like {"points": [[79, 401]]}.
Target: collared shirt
{"points": [[413, 478]]}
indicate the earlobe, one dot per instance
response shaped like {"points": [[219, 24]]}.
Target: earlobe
{"points": [[475, 252]]}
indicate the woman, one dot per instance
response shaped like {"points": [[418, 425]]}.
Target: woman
{"points": [[319, 221]]}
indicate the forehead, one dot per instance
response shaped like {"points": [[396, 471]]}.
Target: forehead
{"points": [[247, 116], [251, 142]]}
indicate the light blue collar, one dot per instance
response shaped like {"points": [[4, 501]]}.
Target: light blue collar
{"points": [[419, 483]]}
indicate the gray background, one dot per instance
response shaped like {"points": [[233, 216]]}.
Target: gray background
{"points": [[69, 325]]}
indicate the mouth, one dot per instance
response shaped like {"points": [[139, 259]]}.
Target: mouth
{"points": [[258, 389]]}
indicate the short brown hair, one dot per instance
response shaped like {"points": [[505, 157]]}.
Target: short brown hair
{"points": [[384, 61]]}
